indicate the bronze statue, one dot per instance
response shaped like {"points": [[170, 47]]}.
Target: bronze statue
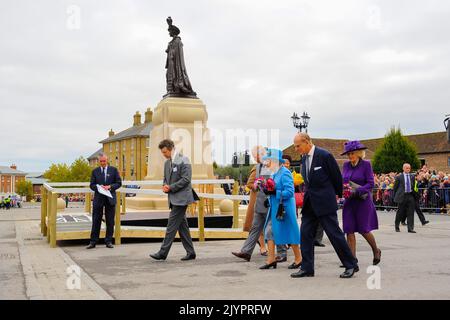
{"points": [[178, 84]]}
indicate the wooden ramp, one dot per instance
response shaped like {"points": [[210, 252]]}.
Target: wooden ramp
{"points": [[156, 232], [78, 226]]}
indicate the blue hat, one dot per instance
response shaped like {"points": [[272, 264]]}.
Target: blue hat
{"points": [[274, 154]]}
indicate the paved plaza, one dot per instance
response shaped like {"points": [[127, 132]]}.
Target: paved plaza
{"points": [[413, 266]]}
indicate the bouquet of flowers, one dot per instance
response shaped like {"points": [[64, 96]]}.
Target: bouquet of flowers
{"points": [[347, 192], [265, 185], [350, 191]]}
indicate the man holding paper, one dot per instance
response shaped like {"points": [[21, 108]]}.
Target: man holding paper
{"points": [[105, 180]]}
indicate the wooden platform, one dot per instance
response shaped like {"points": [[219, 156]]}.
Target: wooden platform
{"points": [[157, 232], [159, 219], [74, 226]]}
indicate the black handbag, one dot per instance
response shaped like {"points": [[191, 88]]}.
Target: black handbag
{"points": [[357, 195], [281, 213]]}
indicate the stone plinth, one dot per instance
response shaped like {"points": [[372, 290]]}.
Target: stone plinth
{"points": [[185, 122]]}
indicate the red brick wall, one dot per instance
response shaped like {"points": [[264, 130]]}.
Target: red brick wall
{"points": [[437, 161]]}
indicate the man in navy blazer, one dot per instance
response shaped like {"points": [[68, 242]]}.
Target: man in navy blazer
{"points": [[109, 179], [323, 183]]}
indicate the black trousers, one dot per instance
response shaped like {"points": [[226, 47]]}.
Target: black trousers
{"points": [[97, 214], [406, 211], [330, 224], [418, 211]]}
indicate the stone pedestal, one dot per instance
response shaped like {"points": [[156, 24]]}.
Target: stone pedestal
{"points": [[185, 122]]}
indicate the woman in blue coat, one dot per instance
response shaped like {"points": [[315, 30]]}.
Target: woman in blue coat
{"points": [[281, 231]]}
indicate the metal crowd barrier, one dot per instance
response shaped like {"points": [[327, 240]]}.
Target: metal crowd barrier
{"points": [[432, 200]]}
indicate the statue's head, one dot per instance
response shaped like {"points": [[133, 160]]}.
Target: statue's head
{"points": [[173, 30]]}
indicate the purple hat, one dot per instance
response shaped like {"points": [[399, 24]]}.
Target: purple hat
{"points": [[354, 145]]}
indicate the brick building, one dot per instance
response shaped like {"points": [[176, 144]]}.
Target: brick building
{"points": [[128, 149], [9, 177], [432, 149], [37, 180]]}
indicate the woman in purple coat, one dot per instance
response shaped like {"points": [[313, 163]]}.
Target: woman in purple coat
{"points": [[359, 214]]}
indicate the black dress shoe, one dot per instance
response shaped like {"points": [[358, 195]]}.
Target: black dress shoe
{"points": [[318, 244], [378, 259], [425, 222], [157, 256], [269, 265], [109, 245], [348, 273], [295, 266], [411, 231], [242, 255], [91, 246], [281, 259], [397, 229], [191, 256], [302, 274]]}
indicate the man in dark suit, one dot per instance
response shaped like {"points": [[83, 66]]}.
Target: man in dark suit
{"points": [[405, 196], [109, 179], [323, 183], [177, 185]]}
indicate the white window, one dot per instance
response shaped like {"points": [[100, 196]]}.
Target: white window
{"points": [[117, 146], [110, 147], [147, 143], [132, 144]]}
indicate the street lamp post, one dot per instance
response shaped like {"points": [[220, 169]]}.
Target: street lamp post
{"points": [[301, 122]]}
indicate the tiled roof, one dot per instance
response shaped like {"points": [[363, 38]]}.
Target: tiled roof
{"points": [[37, 181], [142, 130], [8, 170], [435, 142], [95, 154]]}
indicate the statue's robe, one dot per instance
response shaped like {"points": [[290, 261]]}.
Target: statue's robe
{"points": [[177, 78]]}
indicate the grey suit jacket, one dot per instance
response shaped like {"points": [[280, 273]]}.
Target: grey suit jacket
{"points": [[179, 180], [260, 196], [399, 187]]}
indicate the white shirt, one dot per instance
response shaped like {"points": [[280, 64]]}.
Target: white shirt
{"points": [[311, 154], [407, 176], [172, 157], [105, 170]]}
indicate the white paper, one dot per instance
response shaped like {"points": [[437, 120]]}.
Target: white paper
{"points": [[103, 191]]}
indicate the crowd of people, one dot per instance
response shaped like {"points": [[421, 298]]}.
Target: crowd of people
{"points": [[432, 186], [11, 201]]}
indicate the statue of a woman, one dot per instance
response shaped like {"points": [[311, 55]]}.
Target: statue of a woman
{"points": [[178, 84]]}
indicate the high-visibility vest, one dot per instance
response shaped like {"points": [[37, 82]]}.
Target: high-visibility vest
{"points": [[416, 186]]}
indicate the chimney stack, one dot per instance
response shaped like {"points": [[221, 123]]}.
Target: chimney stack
{"points": [[137, 119], [148, 115], [13, 166], [110, 133]]}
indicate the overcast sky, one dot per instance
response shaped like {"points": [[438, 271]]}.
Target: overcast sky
{"points": [[357, 67]]}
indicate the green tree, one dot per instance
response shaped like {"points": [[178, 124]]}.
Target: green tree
{"points": [[233, 173], [25, 189], [59, 172], [80, 171], [394, 151]]}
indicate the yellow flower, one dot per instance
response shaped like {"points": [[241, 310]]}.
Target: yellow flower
{"points": [[298, 179]]}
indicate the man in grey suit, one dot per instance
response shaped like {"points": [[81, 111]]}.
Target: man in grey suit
{"points": [[261, 208], [177, 185], [405, 196]]}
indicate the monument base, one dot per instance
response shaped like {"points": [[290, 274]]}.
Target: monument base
{"points": [[183, 120]]}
